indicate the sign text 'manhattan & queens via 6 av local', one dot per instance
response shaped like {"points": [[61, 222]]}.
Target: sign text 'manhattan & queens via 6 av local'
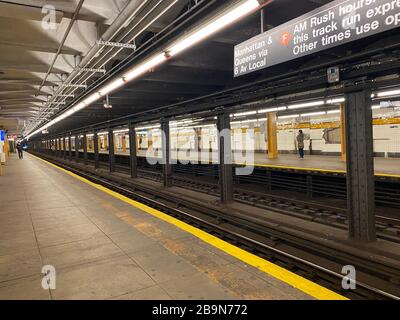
{"points": [[333, 24]]}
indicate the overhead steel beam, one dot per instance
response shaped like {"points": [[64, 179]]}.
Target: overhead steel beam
{"points": [[32, 67], [37, 48]]}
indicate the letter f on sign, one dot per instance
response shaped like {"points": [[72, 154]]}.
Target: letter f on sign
{"points": [[285, 38], [49, 279]]}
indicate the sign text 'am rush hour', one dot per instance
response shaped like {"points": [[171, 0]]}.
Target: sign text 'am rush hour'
{"points": [[333, 24]]}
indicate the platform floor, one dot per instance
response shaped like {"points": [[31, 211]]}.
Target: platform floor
{"points": [[104, 248], [383, 166]]}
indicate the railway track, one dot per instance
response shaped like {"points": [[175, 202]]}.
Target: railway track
{"points": [[387, 228], [311, 260]]}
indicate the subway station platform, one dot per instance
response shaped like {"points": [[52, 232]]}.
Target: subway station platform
{"points": [[383, 166], [105, 248]]}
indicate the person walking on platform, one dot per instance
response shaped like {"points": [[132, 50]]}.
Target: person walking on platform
{"points": [[300, 143], [20, 151]]}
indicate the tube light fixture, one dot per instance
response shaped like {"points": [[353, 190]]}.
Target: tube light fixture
{"points": [[388, 93], [336, 100], [215, 25], [310, 114], [121, 131], [241, 114], [289, 116], [272, 109], [89, 100], [333, 111], [306, 104], [117, 83], [148, 127], [138, 70], [376, 106]]}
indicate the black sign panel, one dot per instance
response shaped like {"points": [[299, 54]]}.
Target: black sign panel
{"points": [[333, 24]]}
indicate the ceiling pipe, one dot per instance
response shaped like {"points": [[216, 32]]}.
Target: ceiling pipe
{"points": [[119, 23], [71, 23]]}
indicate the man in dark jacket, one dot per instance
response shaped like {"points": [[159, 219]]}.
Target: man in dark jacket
{"points": [[300, 143], [20, 151]]}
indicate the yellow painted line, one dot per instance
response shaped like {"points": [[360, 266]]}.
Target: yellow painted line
{"points": [[273, 270], [388, 175], [316, 169], [298, 168]]}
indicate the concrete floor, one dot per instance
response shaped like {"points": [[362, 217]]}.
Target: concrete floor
{"points": [[103, 248], [382, 165]]}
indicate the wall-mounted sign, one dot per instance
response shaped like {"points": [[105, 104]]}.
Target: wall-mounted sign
{"points": [[2, 135], [336, 23]]}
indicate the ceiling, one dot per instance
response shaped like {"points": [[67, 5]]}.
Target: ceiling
{"points": [[202, 70], [27, 50]]}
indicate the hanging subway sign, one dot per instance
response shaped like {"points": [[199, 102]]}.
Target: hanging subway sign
{"points": [[331, 25]]}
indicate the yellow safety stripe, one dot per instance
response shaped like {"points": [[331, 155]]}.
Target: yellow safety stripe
{"points": [[270, 268]]}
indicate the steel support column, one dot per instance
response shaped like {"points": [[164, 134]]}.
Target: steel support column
{"points": [[132, 150], [96, 149], [225, 157], [56, 147], [65, 148], [272, 136], [111, 155], [85, 156], [343, 131], [69, 147], [166, 152], [77, 148], [360, 166]]}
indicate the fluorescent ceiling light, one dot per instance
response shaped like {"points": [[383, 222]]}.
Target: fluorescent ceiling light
{"points": [[389, 93], [272, 109], [145, 66], [313, 114], [148, 127], [121, 131], [333, 111], [335, 100], [205, 126], [112, 86], [88, 101], [289, 116], [306, 104], [213, 26], [241, 114], [375, 106]]}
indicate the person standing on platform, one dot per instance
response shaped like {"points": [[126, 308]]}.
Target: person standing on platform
{"points": [[300, 143], [20, 151]]}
